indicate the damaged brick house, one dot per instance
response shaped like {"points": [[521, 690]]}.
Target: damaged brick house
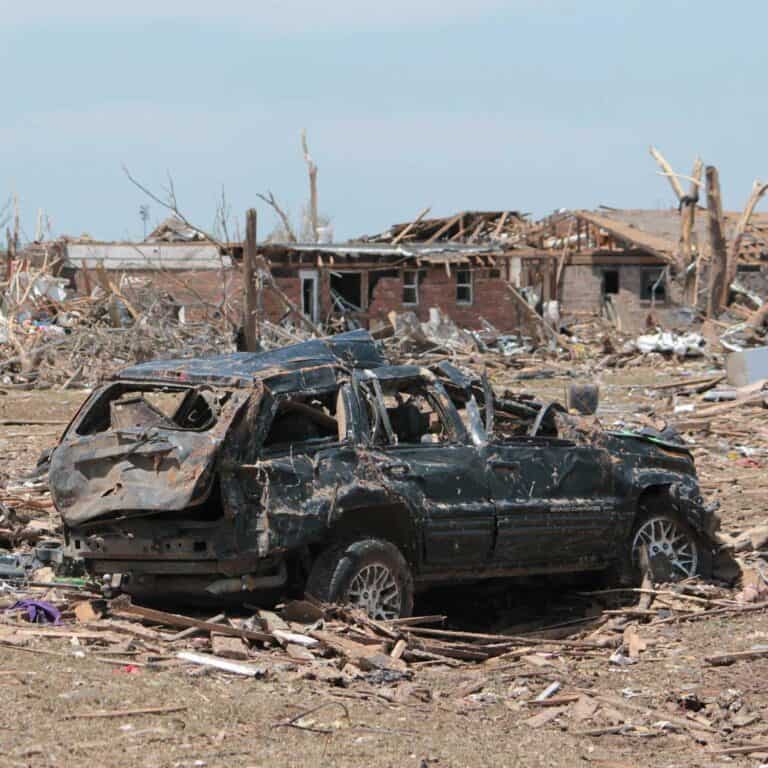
{"points": [[462, 265], [617, 261], [472, 266], [175, 262]]}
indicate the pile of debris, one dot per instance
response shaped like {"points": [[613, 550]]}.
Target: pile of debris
{"points": [[50, 336], [544, 676]]}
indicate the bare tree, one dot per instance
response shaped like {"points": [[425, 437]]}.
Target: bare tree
{"points": [[312, 171]]}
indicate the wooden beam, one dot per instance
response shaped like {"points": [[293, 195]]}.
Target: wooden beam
{"points": [[405, 232], [500, 225], [685, 255], [537, 318], [448, 224], [719, 255]]}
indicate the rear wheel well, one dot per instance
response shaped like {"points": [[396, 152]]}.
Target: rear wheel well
{"points": [[391, 522]]}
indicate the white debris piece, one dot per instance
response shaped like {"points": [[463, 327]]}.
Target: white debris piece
{"points": [[681, 345]]}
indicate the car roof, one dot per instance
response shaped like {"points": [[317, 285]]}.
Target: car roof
{"points": [[355, 349]]}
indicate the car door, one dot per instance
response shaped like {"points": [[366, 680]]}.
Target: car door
{"points": [[554, 500], [440, 474], [299, 448]]}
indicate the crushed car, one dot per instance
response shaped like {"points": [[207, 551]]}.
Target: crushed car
{"points": [[321, 468]]}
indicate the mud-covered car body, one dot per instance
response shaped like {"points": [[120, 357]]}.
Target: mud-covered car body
{"points": [[235, 473]]}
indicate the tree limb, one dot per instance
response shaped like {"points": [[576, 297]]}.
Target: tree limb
{"points": [[668, 172], [172, 205], [269, 199]]}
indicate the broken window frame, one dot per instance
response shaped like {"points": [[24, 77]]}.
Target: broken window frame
{"points": [[410, 286], [648, 278], [270, 406], [464, 285], [115, 391], [372, 389]]}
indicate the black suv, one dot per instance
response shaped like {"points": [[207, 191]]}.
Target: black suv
{"points": [[320, 467]]}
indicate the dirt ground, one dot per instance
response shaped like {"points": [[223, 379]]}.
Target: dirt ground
{"points": [[474, 715]]}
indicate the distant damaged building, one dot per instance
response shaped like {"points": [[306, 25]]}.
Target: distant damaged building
{"points": [[622, 263]]}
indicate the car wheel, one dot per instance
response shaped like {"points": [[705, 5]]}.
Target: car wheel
{"points": [[680, 551], [370, 574]]}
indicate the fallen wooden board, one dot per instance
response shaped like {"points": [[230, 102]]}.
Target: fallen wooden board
{"points": [[724, 659], [125, 713], [123, 607]]}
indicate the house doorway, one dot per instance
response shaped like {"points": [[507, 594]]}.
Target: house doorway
{"points": [[310, 281]]}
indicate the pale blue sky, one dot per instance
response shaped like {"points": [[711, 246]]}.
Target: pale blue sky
{"points": [[484, 105]]}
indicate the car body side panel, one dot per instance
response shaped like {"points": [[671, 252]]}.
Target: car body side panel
{"points": [[447, 483], [554, 502]]}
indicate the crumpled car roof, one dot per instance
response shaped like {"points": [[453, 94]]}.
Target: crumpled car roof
{"points": [[355, 349]]}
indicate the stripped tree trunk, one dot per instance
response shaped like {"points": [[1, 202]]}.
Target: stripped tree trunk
{"points": [[719, 254]]}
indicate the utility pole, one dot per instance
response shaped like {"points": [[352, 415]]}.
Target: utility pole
{"points": [[250, 320]]}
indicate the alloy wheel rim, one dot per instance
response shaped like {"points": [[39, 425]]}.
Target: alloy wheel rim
{"points": [[375, 590], [662, 536]]}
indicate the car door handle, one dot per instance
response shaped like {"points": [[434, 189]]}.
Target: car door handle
{"points": [[502, 465], [399, 469]]}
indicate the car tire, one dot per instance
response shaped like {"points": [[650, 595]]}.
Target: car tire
{"points": [[656, 530], [370, 574]]}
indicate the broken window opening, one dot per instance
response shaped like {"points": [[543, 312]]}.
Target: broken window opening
{"points": [[303, 422], [652, 287], [347, 291], [412, 413], [410, 286], [463, 286], [610, 282], [142, 407]]}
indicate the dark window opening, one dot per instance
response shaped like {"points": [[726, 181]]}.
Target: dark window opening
{"points": [[610, 282], [347, 291], [303, 421], [652, 285], [463, 286], [128, 407], [308, 297], [494, 274]]}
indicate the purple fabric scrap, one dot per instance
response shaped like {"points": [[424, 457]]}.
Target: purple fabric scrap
{"points": [[38, 611]]}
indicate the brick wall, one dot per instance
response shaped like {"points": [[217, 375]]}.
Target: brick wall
{"points": [[491, 300], [582, 292], [200, 292]]}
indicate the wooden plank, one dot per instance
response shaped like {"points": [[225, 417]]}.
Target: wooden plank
{"points": [[122, 606], [125, 713], [405, 232]]}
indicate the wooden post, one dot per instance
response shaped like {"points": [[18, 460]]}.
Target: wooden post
{"points": [[249, 276], [685, 256], [719, 255]]}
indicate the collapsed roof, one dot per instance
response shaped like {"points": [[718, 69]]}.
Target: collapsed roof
{"points": [[655, 231]]}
